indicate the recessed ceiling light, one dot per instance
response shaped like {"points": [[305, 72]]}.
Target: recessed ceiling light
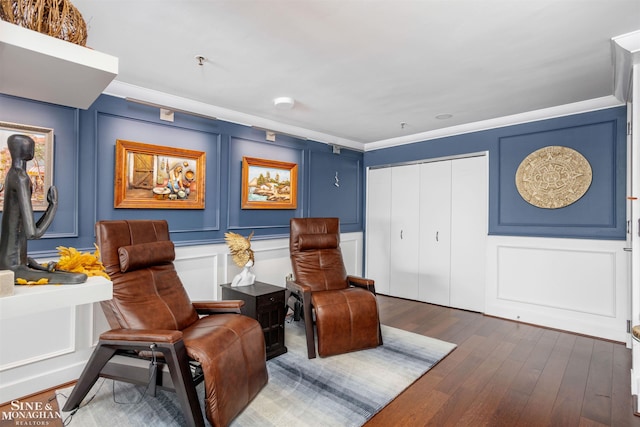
{"points": [[444, 116], [284, 103]]}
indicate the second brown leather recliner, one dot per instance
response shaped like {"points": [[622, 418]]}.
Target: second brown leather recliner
{"points": [[345, 307]]}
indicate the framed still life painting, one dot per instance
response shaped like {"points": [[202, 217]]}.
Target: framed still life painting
{"points": [[158, 177]]}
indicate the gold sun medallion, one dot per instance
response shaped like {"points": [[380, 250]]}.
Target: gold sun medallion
{"points": [[553, 177]]}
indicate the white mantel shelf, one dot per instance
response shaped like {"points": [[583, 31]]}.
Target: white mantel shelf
{"points": [[44, 68], [39, 298]]}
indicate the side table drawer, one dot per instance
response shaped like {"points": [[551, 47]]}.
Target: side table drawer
{"points": [[270, 299]]}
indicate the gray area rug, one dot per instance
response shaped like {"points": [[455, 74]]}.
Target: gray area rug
{"points": [[343, 390]]}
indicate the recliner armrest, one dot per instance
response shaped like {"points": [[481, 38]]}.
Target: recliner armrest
{"points": [[302, 293], [361, 282], [212, 307], [142, 335], [297, 287]]}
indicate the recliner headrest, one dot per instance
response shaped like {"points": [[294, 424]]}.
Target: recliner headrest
{"points": [[142, 255], [317, 241]]}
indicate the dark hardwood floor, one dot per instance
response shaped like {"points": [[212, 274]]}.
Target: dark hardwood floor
{"points": [[505, 373], [502, 373]]}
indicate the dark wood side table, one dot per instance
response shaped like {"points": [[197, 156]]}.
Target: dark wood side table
{"points": [[265, 303]]}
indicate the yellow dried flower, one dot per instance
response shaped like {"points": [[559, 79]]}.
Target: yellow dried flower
{"points": [[76, 262], [21, 281]]}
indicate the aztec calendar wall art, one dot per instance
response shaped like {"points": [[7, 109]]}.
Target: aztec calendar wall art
{"points": [[553, 177]]}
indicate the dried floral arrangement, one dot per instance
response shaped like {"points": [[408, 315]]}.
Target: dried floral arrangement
{"points": [[73, 261], [55, 18]]}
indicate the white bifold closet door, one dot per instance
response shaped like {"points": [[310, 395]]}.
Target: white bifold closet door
{"points": [[426, 231], [378, 245], [404, 270], [453, 230], [435, 232], [469, 183]]}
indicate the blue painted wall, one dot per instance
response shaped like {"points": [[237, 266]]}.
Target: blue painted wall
{"points": [[84, 163], [84, 150], [600, 136]]}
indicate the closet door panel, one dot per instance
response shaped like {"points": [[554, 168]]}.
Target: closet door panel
{"points": [[435, 232], [405, 220], [468, 233], [378, 228]]}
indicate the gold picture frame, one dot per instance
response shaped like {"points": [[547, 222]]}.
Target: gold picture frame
{"points": [[40, 169], [158, 177], [269, 184]]}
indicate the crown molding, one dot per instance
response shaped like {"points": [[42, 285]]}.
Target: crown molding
{"points": [[176, 103], [531, 116]]}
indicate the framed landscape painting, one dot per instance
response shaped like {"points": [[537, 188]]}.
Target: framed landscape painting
{"points": [[269, 184]]}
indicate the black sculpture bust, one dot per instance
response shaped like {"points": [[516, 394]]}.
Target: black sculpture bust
{"points": [[18, 224]]}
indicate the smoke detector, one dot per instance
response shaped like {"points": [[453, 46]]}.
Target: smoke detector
{"points": [[284, 103]]}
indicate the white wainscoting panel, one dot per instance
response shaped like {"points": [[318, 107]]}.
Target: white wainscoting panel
{"points": [[51, 334], [571, 284], [351, 246], [197, 267], [566, 279], [45, 335]]}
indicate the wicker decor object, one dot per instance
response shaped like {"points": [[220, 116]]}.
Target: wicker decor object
{"points": [[553, 177], [56, 18]]}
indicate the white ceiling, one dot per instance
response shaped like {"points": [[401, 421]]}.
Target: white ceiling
{"points": [[358, 69]]}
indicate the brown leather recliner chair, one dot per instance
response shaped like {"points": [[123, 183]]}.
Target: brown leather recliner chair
{"points": [[345, 307], [151, 313]]}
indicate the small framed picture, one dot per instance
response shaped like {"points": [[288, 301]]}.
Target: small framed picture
{"points": [[39, 169], [268, 184]]}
